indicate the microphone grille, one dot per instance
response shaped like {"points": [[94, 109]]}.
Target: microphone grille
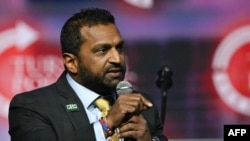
{"points": [[124, 87]]}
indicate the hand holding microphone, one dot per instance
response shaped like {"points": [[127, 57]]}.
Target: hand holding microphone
{"points": [[126, 105], [124, 87]]}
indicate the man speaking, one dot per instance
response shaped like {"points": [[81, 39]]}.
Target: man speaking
{"points": [[83, 104]]}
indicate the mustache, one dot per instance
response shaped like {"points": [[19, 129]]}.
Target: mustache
{"points": [[115, 68]]}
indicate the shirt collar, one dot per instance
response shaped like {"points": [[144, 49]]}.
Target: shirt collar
{"points": [[86, 95]]}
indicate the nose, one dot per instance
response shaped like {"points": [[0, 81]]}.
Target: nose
{"points": [[115, 56]]}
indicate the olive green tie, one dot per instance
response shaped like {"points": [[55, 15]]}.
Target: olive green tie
{"points": [[104, 107]]}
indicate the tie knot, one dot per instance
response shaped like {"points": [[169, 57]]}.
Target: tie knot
{"points": [[103, 105]]}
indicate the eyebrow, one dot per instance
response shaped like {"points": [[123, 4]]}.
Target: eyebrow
{"points": [[121, 43], [106, 45]]}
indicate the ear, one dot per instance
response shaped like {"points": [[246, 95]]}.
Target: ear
{"points": [[71, 63]]}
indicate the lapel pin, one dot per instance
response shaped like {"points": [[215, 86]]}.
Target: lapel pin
{"points": [[72, 108]]}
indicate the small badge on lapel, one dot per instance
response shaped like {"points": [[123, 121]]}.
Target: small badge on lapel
{"points": [[72, 108]]}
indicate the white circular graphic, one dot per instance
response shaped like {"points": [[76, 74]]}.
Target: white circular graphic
{"points": [[221, 61]]}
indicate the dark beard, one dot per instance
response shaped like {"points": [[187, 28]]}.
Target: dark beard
{"points": [[94, 82]]}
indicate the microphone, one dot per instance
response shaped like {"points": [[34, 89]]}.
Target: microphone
{"points": [[164, 82], [124, 87]]}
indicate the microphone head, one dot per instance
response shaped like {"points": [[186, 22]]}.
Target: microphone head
{"points": [[164, 80], [124, 87]]}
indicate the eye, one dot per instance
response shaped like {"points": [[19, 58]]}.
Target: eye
{"points": [[102, 50], [120, 47]]}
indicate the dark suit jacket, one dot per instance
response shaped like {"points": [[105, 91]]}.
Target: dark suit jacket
{"points": [[41, 115]]}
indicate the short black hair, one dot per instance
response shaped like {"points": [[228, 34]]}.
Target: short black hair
{"points": [[71, 38]]}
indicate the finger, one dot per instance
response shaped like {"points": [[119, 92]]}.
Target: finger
{"points": [[127, 130], [130, 124], [141, 99], [136, 100], [146, 102], [133, 102], [126, 105], [128, 134], [118, 115]]}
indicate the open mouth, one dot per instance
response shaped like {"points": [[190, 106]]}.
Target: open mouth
{"points": [[115, 72]]}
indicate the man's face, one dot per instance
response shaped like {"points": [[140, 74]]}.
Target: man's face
{"points": [[101, 59]]}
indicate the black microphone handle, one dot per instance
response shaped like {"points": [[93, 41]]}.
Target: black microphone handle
{"points": [[163, 106]]}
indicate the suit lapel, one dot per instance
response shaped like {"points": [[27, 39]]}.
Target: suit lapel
{"points": [[74, 110]]}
